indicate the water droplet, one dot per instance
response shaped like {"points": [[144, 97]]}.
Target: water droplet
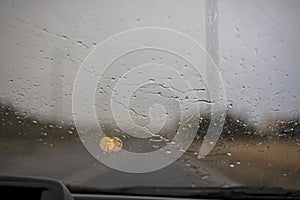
{"points": [[168, 152], [203, 177], [187, 164]]}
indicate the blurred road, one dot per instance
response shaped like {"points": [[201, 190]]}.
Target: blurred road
{"points": [[74, 165]]}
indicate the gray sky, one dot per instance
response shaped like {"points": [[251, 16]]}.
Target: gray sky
{"points": [[43, 43]]}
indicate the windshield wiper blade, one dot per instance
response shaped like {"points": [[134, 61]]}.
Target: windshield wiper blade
{"points": [[196, 192]]}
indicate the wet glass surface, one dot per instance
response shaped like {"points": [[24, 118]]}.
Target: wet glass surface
{"points": [[151, 85]]}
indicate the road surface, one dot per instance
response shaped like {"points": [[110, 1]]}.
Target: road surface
{"points": [[74, 165]]}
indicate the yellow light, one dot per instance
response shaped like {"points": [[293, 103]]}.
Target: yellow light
{"points": [[108, 144], [118, 144]]}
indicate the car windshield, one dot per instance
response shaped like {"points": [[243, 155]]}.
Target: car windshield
{"points": [[168, 93]]}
